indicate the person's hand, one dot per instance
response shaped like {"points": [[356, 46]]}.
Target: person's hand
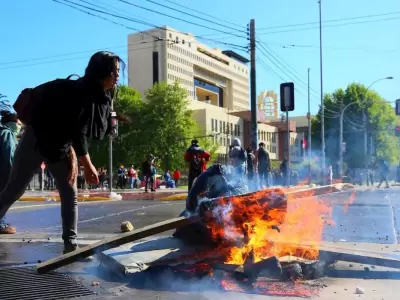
{"points": [[89, 171], [91, 175]]}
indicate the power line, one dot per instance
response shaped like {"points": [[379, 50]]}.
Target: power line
{"points": [[296, 74], [331, 21], [333, 25], [195, 16], [203, 13], [317, 27], [366, 48], [79, 57], [180, 19], [262, 62], [278, 64], [134, 20]]}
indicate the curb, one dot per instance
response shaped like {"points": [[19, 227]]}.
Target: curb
{"points": [[175, 197], [57, 198]]}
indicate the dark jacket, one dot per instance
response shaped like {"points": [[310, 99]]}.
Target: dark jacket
{"points": [[71, 111], [8, 143]]}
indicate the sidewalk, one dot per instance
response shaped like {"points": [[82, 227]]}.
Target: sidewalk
{"points": [[104, 195]]}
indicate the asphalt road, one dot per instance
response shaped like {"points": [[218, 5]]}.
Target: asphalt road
{"points": [[94, 217], [371, 218]]}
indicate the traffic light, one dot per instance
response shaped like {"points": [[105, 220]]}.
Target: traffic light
{"points": [[304, 144], [114, 124], [398, 107], [287, 96]]}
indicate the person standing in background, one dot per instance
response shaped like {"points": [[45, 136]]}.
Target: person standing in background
{"points": [[250, 168], [197, 159], [10, 126], [263, 165], [176, 176]]}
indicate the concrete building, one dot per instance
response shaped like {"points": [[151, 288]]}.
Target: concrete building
{"points": [[216, 81], [215, 77]]}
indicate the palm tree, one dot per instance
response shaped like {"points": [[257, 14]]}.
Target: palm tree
{"points": [[4, 104]]}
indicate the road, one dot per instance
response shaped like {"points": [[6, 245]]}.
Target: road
{"points": [[372, 218]]}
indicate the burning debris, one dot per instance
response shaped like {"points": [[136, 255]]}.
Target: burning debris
{"points": [[253, 233]]}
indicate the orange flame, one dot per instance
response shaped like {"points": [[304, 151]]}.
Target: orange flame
{"points": [[246, 225]]}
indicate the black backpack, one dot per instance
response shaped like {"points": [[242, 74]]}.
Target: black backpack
{"points": [[195, 162], [30, 100]]}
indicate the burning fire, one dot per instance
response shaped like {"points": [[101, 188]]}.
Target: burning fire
{"points": [[271, 222]]}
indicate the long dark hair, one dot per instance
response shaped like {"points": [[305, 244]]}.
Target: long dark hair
{"points": [[7, 116], [102, 64]]}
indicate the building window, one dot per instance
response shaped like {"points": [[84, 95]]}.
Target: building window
{"points": [[170, 35], [220, 126], [238, 130], [212, 124], [231, 128]]}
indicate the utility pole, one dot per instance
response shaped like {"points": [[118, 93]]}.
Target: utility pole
{"points": [[365, 141], [309, 129], [322, 94], [253, 91]]}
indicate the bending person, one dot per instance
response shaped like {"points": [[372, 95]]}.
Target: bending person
{"points": [[64, 115]]}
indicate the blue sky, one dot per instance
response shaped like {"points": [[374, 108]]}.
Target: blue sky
{"points": [[43, 40]]}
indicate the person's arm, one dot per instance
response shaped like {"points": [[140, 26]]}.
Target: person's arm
{"points": [[206, 155]]}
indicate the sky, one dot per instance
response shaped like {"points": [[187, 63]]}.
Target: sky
{"points": [[42, 40]]}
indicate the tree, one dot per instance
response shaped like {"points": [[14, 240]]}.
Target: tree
{"points": [[4, 104], [168, 122], [380, 125]]}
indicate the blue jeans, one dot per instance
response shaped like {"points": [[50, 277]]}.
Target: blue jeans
{"points": [[3, 222], [132, 182]]}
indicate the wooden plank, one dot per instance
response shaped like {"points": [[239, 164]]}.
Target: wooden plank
{"points": [[331, 253], [390, 260], [113, 242]]}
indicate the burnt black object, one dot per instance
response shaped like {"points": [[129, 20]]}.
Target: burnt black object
{"points": [[201, 184], [269, 267]]}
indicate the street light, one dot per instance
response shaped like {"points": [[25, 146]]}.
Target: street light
{"points": [[365, 128]]}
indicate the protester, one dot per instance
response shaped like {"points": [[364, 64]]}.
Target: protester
{"points": [[238, 157], [384, 171], [264, 165], [284, 168], [197, 159], [10, 126], [60, 116], [148, 172], [250, 168], [132, 174], [121, 174], [176, 175]]}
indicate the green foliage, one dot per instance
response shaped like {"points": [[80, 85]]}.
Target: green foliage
{"points": [[380, 125], [161, 125], [166, 123]]}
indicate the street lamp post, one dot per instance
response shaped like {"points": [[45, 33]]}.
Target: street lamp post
{"points": [[365, 128]]}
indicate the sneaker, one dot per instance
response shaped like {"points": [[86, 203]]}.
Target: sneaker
{"points": [[7, 229], [70, 248]]}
